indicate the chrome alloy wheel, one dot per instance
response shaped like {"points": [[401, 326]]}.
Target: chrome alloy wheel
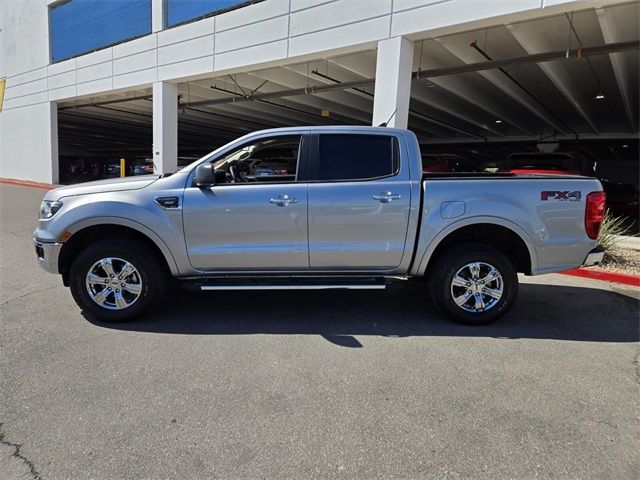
{"points": [[477, 287], [114, 283]]}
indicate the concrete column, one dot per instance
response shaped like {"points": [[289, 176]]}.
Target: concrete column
{"points": [[165, 127], [158, 15], [393, 82]]}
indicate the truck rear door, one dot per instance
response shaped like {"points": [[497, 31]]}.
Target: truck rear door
{"points": [[359, 202]]}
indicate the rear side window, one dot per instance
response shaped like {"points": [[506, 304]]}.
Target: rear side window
{"points": [[356, 157]]}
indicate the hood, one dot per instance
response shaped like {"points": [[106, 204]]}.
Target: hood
{"points": [[102, 186]]}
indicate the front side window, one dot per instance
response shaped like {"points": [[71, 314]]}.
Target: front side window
{"points": [[263, 161], [82, 26], [355, 157]]}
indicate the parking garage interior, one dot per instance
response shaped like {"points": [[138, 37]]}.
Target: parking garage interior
{"points": [[480, 101]]}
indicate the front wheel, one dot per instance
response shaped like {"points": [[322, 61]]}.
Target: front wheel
{"points": [[473, 283], [116, 280]]}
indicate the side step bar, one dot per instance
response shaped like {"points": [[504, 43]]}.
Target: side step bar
{"points": [[294, 287], [289, 283]]}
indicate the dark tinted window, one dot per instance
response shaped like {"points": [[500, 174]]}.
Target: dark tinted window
{"points": [[81, 26], [356, 157]]}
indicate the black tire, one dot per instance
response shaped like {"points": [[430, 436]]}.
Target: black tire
{"points": [[456, 258], [151, 274]]}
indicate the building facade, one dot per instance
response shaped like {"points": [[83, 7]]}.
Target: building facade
{"points": [[56, 52]]}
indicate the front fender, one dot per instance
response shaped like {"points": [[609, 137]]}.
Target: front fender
{"points": [[137, 210], [125, 222]]}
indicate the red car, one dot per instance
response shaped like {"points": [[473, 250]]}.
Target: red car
{"points": [[564, 163]]}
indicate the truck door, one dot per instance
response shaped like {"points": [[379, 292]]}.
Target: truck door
{"points": [[256, 217], [359, 202]]}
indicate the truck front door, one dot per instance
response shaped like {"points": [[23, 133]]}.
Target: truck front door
{"points": [[255, 218]]}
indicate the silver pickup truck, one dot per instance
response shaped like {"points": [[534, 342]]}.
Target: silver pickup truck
{"points": [[316, 208]]}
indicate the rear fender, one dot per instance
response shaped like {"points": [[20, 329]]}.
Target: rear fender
{"points": [[420, 267]]}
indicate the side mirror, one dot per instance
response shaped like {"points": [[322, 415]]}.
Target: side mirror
{"points": [[205, 176]]}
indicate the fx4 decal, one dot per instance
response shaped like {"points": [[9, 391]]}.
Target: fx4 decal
{"points": [[563, 196]]}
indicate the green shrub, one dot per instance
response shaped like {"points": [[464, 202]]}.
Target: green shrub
{"points": [[612, 227]]}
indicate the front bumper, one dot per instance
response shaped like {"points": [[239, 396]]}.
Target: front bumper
{"points": [[594, 257], [47, 255]]}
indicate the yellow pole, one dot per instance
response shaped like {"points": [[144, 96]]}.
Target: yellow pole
{"points": [[3, 82], [122, 167]]}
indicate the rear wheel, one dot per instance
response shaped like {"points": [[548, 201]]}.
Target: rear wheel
{"points": [[473, 283], [117, 280]]}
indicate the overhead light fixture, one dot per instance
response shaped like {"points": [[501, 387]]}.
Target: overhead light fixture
{"points": [[625, 146], [498, 121], [600, 96]]}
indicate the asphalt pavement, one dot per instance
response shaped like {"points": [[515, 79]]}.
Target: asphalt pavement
{"points": [[312, 384]]}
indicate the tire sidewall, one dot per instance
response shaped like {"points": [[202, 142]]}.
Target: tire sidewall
{"points": [[458, 258], [132, 253]]}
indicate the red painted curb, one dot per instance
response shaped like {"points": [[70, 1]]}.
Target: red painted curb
{"points": [[604, 276], [23, 183]]}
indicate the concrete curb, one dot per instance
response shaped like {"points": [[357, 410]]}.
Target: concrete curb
{"points": [[23, 183], [612, 277]]}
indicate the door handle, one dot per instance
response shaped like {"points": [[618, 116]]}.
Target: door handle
{"points": [[283, 200], [387, 196]]}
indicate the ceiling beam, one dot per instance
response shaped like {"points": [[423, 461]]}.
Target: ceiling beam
{"points": [[532, 42], [612, 31], [501, 79]]}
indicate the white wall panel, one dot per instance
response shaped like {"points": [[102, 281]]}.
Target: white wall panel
{"points": [[27, 88], [353, 34], [186, 68], [25, 100], [186, 32], [335, 14], [134, 63], [61, 67], [254, 34], [95, 86], [63, 93], [443, 14], [135, 79], [95, 72], [27, 77], [101, 56], [257, 54], [177, 52], [62, 80], [251, 14], [138, 45], [302, 4]]}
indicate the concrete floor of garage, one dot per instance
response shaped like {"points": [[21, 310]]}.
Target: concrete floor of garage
{"points": [[299, 384]]}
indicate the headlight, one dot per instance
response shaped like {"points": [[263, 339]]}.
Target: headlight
{"points": [[48, 209]]}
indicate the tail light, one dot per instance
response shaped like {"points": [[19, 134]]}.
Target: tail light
{"points": [[594, 213]]}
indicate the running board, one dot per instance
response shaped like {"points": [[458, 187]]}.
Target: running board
{"points": [[293, 287], [290, 283]]}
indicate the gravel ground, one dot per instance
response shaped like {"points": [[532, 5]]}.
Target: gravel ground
{"points": [[628, 261]]}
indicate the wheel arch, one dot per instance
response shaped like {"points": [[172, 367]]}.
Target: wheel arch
{"points": [[502, 234], [87, 231]]}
